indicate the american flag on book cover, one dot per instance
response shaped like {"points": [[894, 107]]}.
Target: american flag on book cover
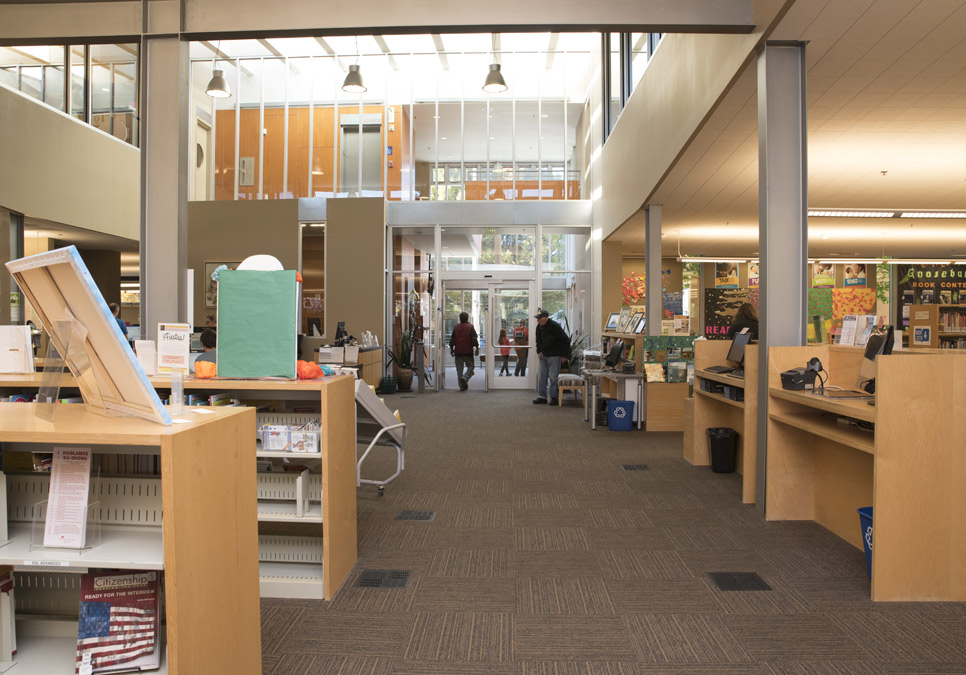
{"points": [[114, 635]]}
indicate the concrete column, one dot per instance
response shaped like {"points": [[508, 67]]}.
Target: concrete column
{"points": [[652, 269], [782, 219], [164, 181]]}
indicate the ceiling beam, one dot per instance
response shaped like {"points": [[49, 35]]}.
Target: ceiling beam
{"points": [[641, 43], [381, 41], [438, 41], [271, 48], [552, 49], [28, 56], [222, 56], [331, 52]]}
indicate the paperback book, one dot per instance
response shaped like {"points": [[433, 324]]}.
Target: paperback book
{"points": [[118, 627]]}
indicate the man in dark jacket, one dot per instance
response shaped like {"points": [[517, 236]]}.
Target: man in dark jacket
{"points": [[552, 346], [464, 345]]}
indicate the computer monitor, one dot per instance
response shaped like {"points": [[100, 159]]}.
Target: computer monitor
{"points": [[339, 332], [615, 354], [737, 352], [879, 344]]}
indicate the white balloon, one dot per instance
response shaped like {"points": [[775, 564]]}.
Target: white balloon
{"points": [[262, 262]]}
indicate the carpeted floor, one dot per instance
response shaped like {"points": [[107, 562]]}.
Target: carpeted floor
{"points": [[545, 557]]}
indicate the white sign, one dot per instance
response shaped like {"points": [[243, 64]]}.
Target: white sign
{"points": [[66, 522], [847, 336], [174, 342]]}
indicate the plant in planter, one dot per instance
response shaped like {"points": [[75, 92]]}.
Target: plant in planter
{"points": [[402, 356]]}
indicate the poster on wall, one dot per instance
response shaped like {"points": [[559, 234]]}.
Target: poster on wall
{"points": [[855, 275], [726, 275], [823, 275], [752, 274], [720, 307], [673, 304], [210, 285]]}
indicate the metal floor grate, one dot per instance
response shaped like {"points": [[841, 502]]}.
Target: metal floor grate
{"points": [[739, 581], [634, 467], [416, 515], [384, 578]]}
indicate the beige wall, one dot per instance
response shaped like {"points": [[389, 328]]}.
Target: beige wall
{"points": [[610, 280], [355, 278], [229, 232], [105, 269], [682, 85], [58, 169]]}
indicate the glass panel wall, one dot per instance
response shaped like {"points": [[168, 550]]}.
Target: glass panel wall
{"points": [[490, 248], [423, 129], [37, 71]]}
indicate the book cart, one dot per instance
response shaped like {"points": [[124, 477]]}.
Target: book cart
{"points": [[323, 498], [711, 408], [210, 616], [821, 468]]}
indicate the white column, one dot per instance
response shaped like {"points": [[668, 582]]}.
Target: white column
{"points": [[782, 219], [652, 269]]}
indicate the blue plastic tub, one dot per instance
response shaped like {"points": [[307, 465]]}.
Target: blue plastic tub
{"points": [[620, 415], [865, 520]]}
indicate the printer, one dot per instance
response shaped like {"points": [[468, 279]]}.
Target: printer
{"points": [[798, 379]]}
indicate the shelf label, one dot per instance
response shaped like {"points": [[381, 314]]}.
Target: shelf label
{"points": [[46, 563]]}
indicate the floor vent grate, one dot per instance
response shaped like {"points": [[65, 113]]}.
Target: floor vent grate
{"points": [[424, 516], [384, 578], [634, 467], [738, 581]]}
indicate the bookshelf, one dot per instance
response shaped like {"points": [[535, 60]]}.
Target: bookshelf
{"points": [[820, 469], [290, 565], [199, 562], [937, 326], [712, 409]]}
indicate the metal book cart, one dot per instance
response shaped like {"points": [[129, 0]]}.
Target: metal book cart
{"points": [[377, 425]]}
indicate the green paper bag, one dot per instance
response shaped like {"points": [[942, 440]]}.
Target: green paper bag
{"points": [[257, 323]]}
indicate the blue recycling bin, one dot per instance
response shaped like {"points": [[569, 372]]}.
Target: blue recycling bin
{"points": [[865, 520], [620, 415]]}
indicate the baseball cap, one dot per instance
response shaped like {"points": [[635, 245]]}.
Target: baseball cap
{"points": [[541, 314]]}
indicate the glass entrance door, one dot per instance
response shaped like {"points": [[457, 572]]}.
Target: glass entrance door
{"points": [[509, 349]]}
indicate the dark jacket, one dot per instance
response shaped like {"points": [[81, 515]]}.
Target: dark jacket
{"points": [[463, 339], [551, 340], [752, 327]]}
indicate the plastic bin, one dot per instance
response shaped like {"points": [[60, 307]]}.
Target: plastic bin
{"points": [[388, 385], [620, 415], [865, 520], [722, 443]]}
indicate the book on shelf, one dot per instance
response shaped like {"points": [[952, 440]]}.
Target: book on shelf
{"points": [[117, 628], [223, 398], [926, 297], [945, 297]]}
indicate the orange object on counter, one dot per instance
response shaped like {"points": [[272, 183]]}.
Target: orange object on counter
{"points": [[205, 369]]}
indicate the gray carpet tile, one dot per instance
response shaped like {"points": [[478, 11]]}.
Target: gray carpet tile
{"points": [[546, 558]]}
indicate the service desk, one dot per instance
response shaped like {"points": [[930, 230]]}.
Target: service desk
{"points": [[903, 456]]}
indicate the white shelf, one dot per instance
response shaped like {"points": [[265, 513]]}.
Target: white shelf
{"points": [[126, 548], [55, 651], [284, 512], [290, 580]]}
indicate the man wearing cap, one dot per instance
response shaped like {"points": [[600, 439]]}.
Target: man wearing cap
{"points": [[552, 346]]}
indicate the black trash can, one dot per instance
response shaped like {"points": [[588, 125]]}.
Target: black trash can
{"points": [[722, 443]]}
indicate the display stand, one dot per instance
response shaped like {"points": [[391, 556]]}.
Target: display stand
{"points": [[714, 409], [377, 424]]}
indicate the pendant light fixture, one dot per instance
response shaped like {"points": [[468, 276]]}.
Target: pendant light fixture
{"points": [[494, 84], [218, 85], [353, 80]]}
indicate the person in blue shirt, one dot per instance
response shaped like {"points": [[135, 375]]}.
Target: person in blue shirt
{"points": [[120, 322]]}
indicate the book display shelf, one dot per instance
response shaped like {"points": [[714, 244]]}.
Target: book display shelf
{"points": [[829, 457], [207, 475], [937, 327], [715, 406], [321, 497]]}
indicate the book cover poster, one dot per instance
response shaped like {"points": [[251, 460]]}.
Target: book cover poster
{"points": [[117, 626], [673, 304], [823, 275], [752, 274], [753, 294], [855, 275], [847, 301], [726, 275], [720, 307]]}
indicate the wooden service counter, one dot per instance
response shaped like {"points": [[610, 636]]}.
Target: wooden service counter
{"points": [[911, 468], [714, 410]]}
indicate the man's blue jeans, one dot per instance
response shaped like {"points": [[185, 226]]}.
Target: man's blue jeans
{"points": [[549, 369]]}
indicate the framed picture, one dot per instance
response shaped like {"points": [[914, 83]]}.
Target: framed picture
{"points": [[211, 287], [639, 328], [623, 321], [635, 319], [612, 321]]}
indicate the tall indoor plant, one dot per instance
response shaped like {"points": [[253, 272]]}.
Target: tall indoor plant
{"points": [[402, 356]]}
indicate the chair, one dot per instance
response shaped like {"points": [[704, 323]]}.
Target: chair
{"points": [[572, 383]]}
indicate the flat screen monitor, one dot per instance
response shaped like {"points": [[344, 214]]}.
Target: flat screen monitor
{"points": [[879, 344], [340, 330], [615, 354], [737, 352]]}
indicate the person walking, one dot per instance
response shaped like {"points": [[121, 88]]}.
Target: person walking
{"points": [[464, 345], [521, 336], [504, 352], [552, 346]]}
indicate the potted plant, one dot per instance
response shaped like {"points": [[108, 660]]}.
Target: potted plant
{"points": [[402, 360]]}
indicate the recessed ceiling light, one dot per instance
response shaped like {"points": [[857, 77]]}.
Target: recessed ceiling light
{"points": [[442, 138], [544, 115]]}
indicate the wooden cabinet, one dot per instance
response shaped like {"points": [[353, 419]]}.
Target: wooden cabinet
{"points": [[206, 546]]}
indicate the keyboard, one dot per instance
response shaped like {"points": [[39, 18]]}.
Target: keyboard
{"points": [[719, 369]]}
